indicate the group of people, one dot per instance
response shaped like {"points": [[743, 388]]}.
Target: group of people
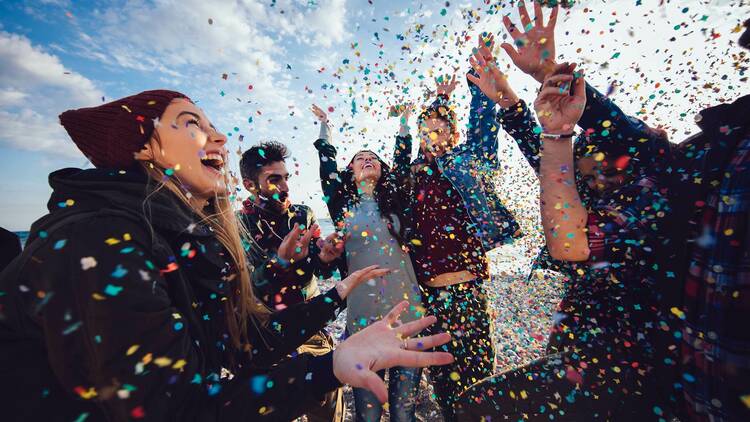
{"points": [[144, 295]]}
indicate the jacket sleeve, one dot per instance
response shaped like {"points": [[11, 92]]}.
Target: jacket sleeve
{"points": [[520, 123], [116, 337], [603, 119], [402, 157], [483, 128], [330, 179]]}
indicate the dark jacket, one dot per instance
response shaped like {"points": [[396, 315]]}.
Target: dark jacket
{"points": [[10, 247], [121, 315], [267, 230], [471, 168]]}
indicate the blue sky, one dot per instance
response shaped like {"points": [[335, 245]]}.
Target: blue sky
{"points": [[356, 56]]}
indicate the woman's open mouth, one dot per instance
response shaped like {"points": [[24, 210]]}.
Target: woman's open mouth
{"points": [[214, 163]]}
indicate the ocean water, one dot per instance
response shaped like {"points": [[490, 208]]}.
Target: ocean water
{"points": [[23, 236]]}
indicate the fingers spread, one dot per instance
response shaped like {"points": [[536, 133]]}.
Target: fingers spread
{"points": [[538, 15], [397, 310], [512, 30], [525, 19], [411, 328], [425, 343], [510, 51], [420, 359], [553, 17], [372, 382]]}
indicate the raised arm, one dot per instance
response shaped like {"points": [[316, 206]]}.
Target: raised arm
{"points": [[564, 216], [513, 115], [330, 179], [402, 155], [534, 54]]}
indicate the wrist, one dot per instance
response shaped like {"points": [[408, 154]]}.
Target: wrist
{"points": [[508, 101], [544, 70], [556, 136], [341, 289]]}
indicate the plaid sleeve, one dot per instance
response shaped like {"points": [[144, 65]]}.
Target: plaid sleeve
{"points": [[624, 227]]}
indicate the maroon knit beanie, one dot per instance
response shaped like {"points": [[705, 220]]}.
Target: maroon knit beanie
{"points": [[111, 133]]}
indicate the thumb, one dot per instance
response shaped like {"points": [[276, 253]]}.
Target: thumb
{"points": [[372, 382], [510, 51], [473, 79]]}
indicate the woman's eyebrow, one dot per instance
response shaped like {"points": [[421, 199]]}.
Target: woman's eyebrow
{"points": [[190, 113]]}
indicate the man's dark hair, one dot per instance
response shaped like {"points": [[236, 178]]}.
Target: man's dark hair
{"points": [[260, 155]]}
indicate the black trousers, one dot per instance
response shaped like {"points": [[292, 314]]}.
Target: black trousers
{"points": [[585, 384], [461, 310]]}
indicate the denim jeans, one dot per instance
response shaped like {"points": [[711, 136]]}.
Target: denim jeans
{"points": [[403, 387]]}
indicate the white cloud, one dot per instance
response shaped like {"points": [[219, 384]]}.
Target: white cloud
{"points": [[35, 88]]}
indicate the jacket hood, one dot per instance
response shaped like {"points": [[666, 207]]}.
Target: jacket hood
{"points": [[127, 190]]}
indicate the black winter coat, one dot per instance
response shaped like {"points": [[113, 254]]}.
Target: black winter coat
{"points": [[121, 315]]}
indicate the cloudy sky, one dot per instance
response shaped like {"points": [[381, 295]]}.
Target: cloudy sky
{"points": [[256, 66]]}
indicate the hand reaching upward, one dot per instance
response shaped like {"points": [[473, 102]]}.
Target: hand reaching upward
{"points": [[489, 79], [319, 114], [445, 85], [557, 109], [534, 51]]}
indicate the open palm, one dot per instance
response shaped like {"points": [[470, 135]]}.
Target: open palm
{"points": [[534, 51], [490, 80], [319, 114]]}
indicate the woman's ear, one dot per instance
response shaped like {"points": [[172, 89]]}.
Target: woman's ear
{"points": [[146, 154]]}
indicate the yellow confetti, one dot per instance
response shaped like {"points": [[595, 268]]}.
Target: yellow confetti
{"points": [[162, 361], [132, 349], [126, 237], [179, 364], [97, 296], [112, 241], [416, 242], [606, 123], [728, 232], [677, 312], [454, 376]]}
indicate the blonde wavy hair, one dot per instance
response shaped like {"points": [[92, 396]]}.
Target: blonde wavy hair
{"points": [[242, 306]]}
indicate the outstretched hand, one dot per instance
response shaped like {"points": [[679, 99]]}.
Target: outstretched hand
{"points": [[489, 79], [445, 85], [296, 243], [386, 344], [319, 114], [535, 43], [557, 106], [345, 286]]}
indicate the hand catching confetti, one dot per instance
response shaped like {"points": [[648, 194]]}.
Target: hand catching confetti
{"points": [[385, 345], [319, 114], [296, 244], [557, 108], [489, 79], [345, 286], [535, 43], [445, 85]]}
